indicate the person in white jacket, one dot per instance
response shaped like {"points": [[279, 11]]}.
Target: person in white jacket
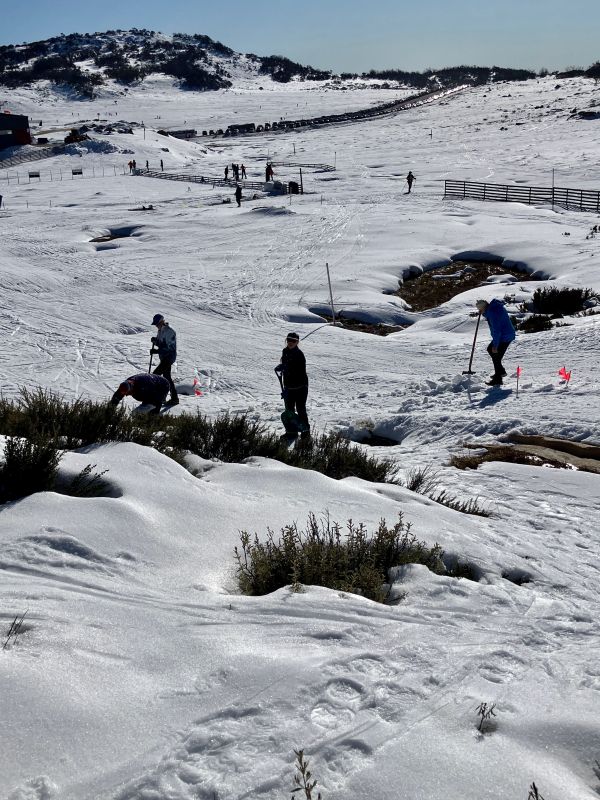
{"points": [[165, 344]]}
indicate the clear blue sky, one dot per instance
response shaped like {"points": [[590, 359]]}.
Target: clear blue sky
{"points": [[343, 35]]}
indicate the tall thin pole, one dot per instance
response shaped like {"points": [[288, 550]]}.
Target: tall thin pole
{"points": [[301, 184], [330, 294], [470, 371], [552, 187]]}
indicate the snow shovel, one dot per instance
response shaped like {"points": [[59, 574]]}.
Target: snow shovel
{"points": [[470, 371]]}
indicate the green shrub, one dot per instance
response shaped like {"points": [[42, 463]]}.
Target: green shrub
{"points": [[556, 301], [321, 555], [41, 413], [534, 324], [235, 438], [87, 483], [230, 438], [426, 481], [29, 466]]}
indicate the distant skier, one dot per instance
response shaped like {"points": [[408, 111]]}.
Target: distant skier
{"points": [[503, 333], [295, 380], [238, 195], [165, 344], [145, 388], [243, 172], [410, 179], [226, 172]]}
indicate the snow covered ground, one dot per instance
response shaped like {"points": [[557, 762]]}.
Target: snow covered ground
{"points": [[143, 675]]}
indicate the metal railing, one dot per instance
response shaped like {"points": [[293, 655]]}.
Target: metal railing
{"points": [[32, 155], [582, 199], [204, 179]]}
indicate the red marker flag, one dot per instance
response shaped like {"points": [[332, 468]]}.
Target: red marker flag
{"points": [[566, 376], [197, 390], [519, 371]]}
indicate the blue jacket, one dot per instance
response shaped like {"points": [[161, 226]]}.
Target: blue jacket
{"points": [[166, 344], [501, 328]]}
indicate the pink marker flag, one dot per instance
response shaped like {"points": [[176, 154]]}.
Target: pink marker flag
{"points": [[197, 390]]}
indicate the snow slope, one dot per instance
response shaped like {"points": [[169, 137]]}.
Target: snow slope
{"points": [[143, 674]]}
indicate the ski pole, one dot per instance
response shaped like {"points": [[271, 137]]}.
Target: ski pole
{"points": [[151, 357], [470, 371]]}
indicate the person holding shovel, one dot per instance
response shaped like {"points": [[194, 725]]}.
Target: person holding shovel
{"points": [[503, 333], [295, 380], [165, 344]]}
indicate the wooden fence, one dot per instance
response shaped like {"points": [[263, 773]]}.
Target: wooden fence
{"points": [[582, 199]]}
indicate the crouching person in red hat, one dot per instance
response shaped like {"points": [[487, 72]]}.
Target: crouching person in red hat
{"points": [[145, 388]]}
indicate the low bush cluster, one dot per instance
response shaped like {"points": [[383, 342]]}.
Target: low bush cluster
{"points": [[534, 324], [426, 481], [558, 301], [43, 415], [323, 555], [31, 465]]}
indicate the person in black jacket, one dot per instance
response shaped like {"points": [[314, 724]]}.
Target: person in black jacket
{"points": [[295, 380], [145, 388]]}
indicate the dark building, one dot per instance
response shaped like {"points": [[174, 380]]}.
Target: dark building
{"points": [[14, 129]]}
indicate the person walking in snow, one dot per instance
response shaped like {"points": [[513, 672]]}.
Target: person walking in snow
{"points": [[295, 380], [503, 333], [243, 172], [238, 195], [165, 344], [226, 172], [130, 165], [134, 165], [147, 167], [269, 174], [144, 388], [410, 179]]}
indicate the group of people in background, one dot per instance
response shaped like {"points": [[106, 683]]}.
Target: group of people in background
{"points": [[133, 165], [238, 172]]}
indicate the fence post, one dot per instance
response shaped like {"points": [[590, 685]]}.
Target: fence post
{"points": [[464, 189], [330, 293]]}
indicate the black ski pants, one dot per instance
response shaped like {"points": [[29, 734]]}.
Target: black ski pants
{"points": [[499, 370], [295, 400], [164, 369]]}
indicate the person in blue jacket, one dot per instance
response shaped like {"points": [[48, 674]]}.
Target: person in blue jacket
{"points": [[503, 333], [145, 388], [165, 344]]}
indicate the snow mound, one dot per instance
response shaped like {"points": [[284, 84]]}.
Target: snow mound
{"points": [[91, 146]]}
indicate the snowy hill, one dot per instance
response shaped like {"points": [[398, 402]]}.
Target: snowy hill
{"points": [[142, 673], [92, 63]]}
